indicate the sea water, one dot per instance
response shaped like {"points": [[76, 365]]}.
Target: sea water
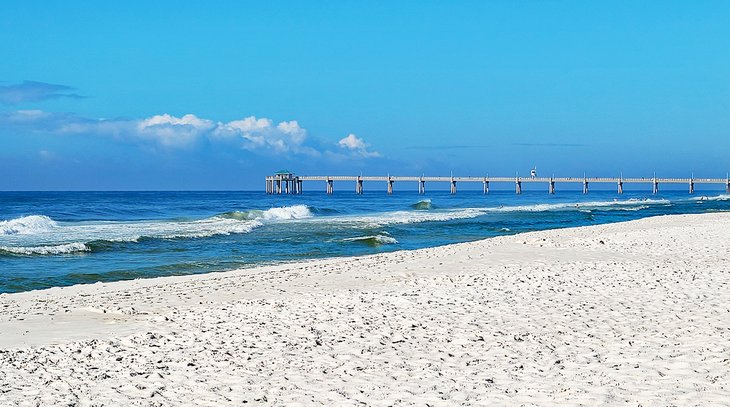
{"points": [[52, 239]]}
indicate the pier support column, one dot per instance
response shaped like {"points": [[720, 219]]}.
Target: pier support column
{"points": [[453, 186], [654, 186], [585, 185], [727, 186], [620, 187], [422, 186], [278, 186], [301, 186], [485, 186], [691, 186], [268, 189], [330, 187], [358, 186], [390, 186], [518, 186], [551, 187], [286, 187]]}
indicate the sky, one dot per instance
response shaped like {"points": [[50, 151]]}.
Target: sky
{"points": [[162, 95]]}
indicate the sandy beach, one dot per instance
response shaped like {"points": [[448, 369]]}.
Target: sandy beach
{"points": [[634, 313]]}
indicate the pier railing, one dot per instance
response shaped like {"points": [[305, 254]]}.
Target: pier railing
{"points": [[290, 183]]}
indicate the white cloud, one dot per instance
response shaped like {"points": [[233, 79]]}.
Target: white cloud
{"points": [[357, 145], [261, 135], [166, 119], [174, 131], [352, 142]]}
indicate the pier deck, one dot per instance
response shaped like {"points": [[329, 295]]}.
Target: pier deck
{"points": [[293, 184]]}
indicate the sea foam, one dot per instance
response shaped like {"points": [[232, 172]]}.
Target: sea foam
{"points": [[272, 214], [27, 225], [722, 197], [47, 250]]}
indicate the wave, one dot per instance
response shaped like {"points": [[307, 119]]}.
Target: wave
{"points": [[628, 205], [374, 240], [722, 197], [272, 214], [67, 248], [419, 216], [405, 217], [27, 225], [41, 235], [422, 205]]}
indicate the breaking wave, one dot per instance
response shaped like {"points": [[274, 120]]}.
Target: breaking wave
{"points": [[27, 225], [375, 240], [628, 205], [41, 235], [723, 197], [67, 248], [418, 216], [281, 213], [422, 205]]}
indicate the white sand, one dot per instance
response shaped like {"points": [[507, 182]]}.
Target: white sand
{"points": [[635, 313]]}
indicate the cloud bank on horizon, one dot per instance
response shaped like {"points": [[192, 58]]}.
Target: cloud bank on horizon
{"points": [[259, 135], [45, 149]]}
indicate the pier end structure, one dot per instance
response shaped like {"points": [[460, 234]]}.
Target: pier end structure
{"points": [[284, 182]]}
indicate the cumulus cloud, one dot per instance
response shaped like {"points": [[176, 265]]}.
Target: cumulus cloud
{"points": [[173, 131], [259, 135], [31, 91], [357, 145]]}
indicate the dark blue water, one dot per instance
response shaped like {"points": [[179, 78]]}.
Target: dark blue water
{"points": [[61, 238]]}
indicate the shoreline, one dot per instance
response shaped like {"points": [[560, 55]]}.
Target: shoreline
{"points": [[629, 311]]}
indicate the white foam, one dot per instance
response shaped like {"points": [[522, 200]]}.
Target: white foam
{"points": [[201, 228], [417, 216], [287, 213], [722, 197], [27, 225], [42, 235], [57, 249], [633, 203], [406, 217], [39, 234]]}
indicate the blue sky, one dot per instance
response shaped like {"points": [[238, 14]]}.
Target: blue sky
{"points": [[161, 95]]}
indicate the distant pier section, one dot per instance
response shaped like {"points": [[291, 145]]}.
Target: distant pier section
{"points": [[286, 182]]}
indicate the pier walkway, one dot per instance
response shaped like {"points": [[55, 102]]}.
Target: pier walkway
{"points": [[289, 183]]}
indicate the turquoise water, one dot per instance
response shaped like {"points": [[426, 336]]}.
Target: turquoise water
{"points": [[62, 238]]}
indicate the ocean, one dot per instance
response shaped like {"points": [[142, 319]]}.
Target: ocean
{"points": [[50, 239]]}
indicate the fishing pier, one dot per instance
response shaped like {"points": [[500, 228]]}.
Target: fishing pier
{"points": [[285, 182]]}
